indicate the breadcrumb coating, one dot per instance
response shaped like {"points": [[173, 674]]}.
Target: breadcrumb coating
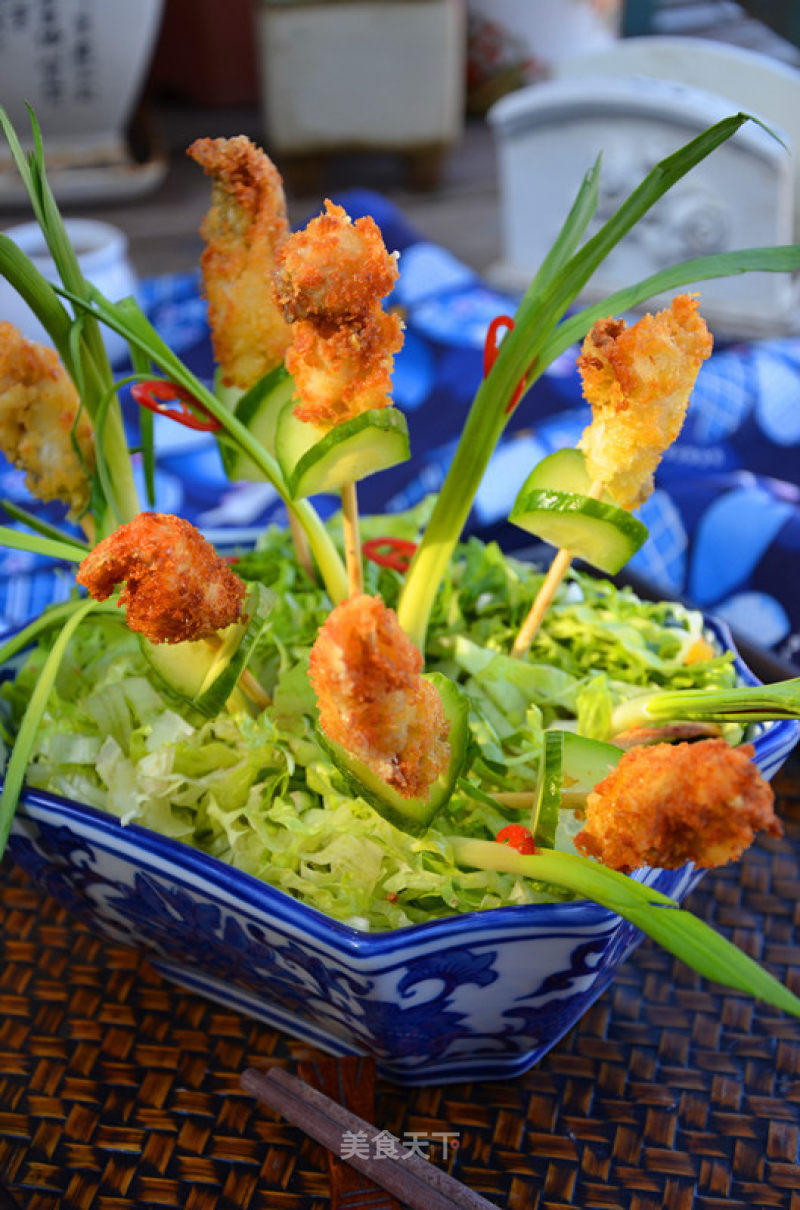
{"points": [[346, 372], [666, 804], [372, 700], [335, 269], [638, 381], [331, 278], [176, 585], [243, 230], [38, 407]]}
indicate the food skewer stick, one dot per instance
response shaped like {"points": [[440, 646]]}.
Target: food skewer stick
{"points": [[352, 541], [301, 548], [557, 571]]}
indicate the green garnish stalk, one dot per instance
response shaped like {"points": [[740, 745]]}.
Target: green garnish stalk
{"points": [[78, 341], [26, 736], [745, 704], [684, 935], [538, 336]]}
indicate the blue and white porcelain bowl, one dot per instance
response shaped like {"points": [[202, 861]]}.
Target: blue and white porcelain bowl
{"points": [[477, 996]]}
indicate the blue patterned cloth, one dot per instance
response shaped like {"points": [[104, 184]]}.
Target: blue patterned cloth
{"points": [[724, 521]]}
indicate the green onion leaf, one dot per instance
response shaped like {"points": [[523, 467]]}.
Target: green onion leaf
{"points": [[31, 722], [740, 704], [40, 526], [520, 355], [782, 259], [38, 544], [684, 935]]}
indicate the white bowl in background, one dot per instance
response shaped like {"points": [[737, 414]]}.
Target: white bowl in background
{"points": [[102, 252]]}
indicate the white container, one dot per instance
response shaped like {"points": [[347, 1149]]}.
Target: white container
{"points": [[102, 252], [80, 65], [385, 74], [741, 196]]}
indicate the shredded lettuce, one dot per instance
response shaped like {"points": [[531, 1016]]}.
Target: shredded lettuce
{"points": [[258, 793]]}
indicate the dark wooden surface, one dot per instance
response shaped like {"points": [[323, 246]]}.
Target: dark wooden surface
{"points": [[118, 1090]]}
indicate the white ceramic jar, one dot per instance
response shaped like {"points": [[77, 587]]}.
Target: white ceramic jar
{"points": [[102, 251]]}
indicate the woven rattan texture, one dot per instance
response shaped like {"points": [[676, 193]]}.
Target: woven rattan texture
{"points": [[118, 1090]]}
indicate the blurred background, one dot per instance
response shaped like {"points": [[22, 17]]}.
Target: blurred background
{"points": [[390, 95], [464, 127]]}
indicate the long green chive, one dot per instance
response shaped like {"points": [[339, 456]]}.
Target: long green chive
{"points": [[80, 347], [31, 721], [684, 935], [536, 339]]}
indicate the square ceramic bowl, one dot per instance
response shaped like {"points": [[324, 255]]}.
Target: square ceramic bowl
{"points": [[480, 995]]}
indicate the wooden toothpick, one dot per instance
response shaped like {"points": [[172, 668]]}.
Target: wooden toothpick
{"points": [[352, 541]]}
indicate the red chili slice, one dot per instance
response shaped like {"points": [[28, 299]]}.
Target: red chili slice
{"points": [[395, 553], [157, 394], [490, 351], [517, 836]]}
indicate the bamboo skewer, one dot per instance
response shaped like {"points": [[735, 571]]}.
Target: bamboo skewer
{"points": [[301, 547], [352, 541], [557, 571]]}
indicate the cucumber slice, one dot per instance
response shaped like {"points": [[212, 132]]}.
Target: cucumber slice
{"points": [[258, 410], [571, 767], [206, 676], [602, 534], [545, 820], [565, 471], [316, 461], [412, 815], [585, 762]]}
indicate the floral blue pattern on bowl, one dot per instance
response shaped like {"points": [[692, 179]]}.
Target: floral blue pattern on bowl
{"points": [[478, 996]]}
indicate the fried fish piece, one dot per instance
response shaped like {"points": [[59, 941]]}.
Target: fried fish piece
{"points": [[666, 804], [638, 381], [176, 585], [42, 428], [244, 230], [372, 699], [330, 279], [344, 372]]}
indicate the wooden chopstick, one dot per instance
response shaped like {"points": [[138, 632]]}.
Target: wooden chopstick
{"points": [[413, 1180], [349, 1080]]}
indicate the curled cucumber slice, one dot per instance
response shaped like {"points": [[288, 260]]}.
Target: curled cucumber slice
{"points": [[315, 461], [572, 766], [413, 815], [602, 534], [564, 470], [203, 674], [258, 410], [545, 819], [554, 505]]}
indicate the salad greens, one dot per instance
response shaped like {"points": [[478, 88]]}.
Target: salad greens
{"points": [[259, 793]]}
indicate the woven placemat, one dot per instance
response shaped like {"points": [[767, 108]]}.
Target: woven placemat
{"points": [[118, 1090]]}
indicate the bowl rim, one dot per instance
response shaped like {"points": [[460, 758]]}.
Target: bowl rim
{"points": [[774, 741]]}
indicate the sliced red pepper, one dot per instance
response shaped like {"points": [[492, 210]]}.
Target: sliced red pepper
{"points": [[517, 836], [157, 394], [490, 351], [395, 553]]}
